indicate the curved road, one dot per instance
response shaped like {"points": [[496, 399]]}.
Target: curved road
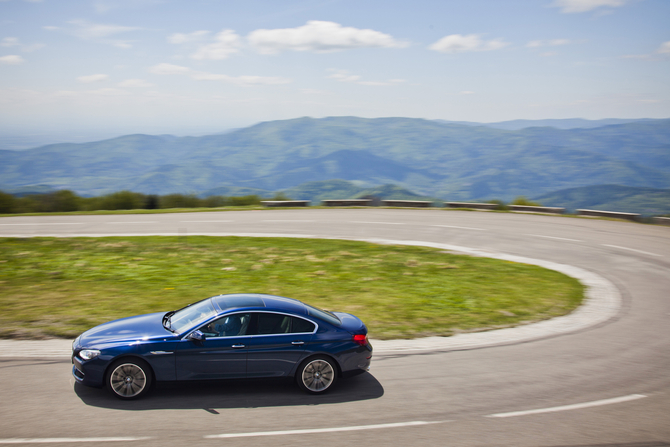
{"points": [[608, 385]]}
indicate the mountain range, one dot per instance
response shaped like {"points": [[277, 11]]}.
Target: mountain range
{"points": [[446, 160]]}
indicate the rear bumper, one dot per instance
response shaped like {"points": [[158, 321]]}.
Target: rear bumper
{"points": [[358, 362]]}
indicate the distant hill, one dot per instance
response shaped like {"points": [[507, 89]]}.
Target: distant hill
{"points": [[570, 123], [323, 190], [391, 192], [444, 160], [342, 189], [28, 190], [235, 191], [645, 201]]}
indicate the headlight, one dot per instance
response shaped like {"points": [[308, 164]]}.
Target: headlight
{"points": [[88, 354]]}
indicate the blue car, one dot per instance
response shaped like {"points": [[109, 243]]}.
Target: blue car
{"points": [[223, 337]]}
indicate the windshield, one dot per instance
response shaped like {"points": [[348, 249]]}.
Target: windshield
{"points": [[323, 314], [191, 316]]}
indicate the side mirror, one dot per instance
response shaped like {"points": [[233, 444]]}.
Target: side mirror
{"points": [[196, 336]]}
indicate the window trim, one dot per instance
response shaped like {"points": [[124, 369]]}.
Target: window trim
{"points": [[316, 325], [252, 312]]}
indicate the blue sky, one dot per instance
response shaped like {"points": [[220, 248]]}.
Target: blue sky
{"points": [[201, 66]]}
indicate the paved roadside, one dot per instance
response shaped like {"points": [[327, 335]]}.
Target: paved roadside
{"points": [[602, 303]]}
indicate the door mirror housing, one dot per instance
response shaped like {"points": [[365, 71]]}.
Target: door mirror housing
{"points": [[196, 336]]}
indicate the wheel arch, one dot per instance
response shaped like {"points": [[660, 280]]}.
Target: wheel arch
{"points": [[124, 357], [312, 355]]}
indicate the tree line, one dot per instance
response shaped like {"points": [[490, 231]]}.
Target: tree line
{"points": [[66, 200]]}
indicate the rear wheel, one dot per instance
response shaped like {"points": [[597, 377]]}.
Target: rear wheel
{"points": [[317, 375], [129, 378]]}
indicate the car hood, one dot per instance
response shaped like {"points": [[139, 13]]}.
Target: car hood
{"points": [[141, 327]]}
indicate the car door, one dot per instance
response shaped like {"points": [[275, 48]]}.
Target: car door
{"points": [[277, 344], [221, 355]]}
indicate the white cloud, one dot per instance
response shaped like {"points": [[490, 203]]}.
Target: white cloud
{"points": [[102, 8], [457, 43], [135, 83], [181, 38], [89, 31], [12, 59], [226, 43], [107, 92], [320, 37], [664, 48], [169, 69], [97, 32], [92, 78], [576, 6], [314, 91], [14, 42], [346, 76], [467, 92], [550, 43], [10, 42], [240, 80]]}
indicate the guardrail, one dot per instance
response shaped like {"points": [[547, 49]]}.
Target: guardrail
{"points": [[285, 202], [661, 220], [596, 213], [347, 202], [476, 206], [537, 209], [408, 203]]}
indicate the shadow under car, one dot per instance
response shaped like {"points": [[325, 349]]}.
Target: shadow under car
{"points": [[226, 394]]}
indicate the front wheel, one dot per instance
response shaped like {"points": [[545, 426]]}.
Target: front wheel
{"points": [[129, 378], [316, 375]]}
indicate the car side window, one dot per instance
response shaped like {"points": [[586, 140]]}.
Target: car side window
{"points": [[273, 324], [300, 325], [228, 326], [269, 323]]}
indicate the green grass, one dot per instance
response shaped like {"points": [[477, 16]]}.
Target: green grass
{"points": [[52, 287]]}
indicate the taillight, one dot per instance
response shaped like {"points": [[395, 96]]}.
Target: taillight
{"points": [[360, 339]]}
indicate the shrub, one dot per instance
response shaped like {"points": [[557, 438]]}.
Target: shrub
{"points": [[151, 202], [122, 200], [280, 196], [244, 200], [63, 200], [521, 200], [501, 205], [179, 201], [214, 201], [7, 203]]}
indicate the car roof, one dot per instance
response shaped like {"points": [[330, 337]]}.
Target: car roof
{"points": [[258, 301]]}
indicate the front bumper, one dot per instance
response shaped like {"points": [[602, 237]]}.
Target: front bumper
{"points": [[89, 373]]}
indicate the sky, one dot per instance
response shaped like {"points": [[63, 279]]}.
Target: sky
{"points": [[192, 67]]}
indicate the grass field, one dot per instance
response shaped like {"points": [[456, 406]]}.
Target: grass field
{"points": [[52, 287]]}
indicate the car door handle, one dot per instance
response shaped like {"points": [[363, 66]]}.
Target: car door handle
{"points": [[297, 343], [237, 346]]}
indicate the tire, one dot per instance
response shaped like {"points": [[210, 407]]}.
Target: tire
{"points": [[129, 378], [317, 374]]}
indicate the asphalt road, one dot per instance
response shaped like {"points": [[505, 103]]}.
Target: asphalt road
{"points": [[608, 385]]}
